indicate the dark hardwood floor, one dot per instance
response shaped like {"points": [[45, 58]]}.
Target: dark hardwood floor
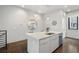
{"points": [[69, 46], [16, 47]]}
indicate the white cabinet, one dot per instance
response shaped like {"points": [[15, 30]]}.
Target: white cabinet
{"points": [[49, 44], [54, 43], [33, 46], [44, 45]]}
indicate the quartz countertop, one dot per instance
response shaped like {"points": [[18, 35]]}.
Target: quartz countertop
{"points": [[40, 35]]}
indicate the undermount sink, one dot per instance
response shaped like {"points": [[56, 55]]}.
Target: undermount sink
{"points": [[49, 33]]}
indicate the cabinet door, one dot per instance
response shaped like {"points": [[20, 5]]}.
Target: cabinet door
{"points": [[44, 45], [33, 46], [53, 43]]}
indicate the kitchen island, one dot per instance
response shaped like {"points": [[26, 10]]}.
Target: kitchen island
{"points": [[42, 42]]}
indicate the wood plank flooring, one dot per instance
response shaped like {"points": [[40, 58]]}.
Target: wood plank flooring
{"points": [[69, 46], [16, 47]]}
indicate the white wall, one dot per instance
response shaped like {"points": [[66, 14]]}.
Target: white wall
{"points": [[58, 16], [73, 33], [14, 20]]}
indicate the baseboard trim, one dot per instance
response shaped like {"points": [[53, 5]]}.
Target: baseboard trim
{"points": [[72, 38], [16, 42]]}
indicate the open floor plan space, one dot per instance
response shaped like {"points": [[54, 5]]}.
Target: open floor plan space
{"points": [[39, 28], [69, 45]]}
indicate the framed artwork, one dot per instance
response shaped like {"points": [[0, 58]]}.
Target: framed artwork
{"points": [[73, 23], [32, 24]]}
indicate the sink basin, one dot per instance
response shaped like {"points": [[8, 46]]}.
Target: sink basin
{"points": [[49, 33]]}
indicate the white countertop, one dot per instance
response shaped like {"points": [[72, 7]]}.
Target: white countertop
{"points": [[55, 32], [39, 35]]}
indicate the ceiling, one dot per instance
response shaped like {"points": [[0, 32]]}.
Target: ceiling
{"points": [[50, 8]]}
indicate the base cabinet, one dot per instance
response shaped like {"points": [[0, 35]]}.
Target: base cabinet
{"points": [[54, 43], [33, 46], [44, 45]]}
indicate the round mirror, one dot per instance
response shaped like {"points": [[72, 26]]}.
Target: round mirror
{"points": [[54, 22]]}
